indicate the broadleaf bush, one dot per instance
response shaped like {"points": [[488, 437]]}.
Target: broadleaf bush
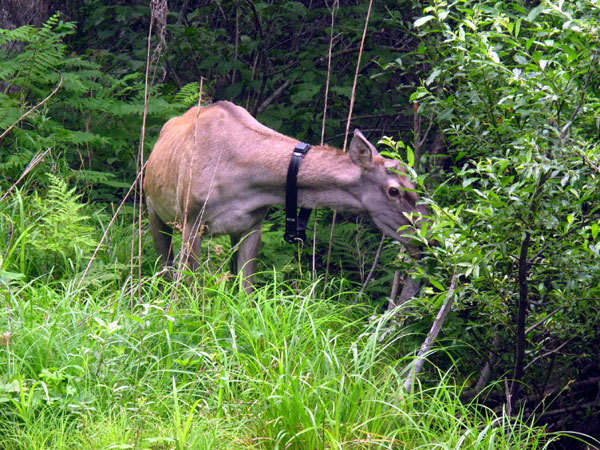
{"points": [[514, 92]]}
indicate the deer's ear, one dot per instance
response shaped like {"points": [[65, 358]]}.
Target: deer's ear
{"points": [[361, 151]]}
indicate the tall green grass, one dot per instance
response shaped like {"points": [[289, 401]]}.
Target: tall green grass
{"points": [[199, 364]]}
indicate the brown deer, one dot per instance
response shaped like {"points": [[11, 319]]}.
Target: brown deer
{"points": [[217, 170]]}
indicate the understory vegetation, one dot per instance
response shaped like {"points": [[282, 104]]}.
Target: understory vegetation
{"points": [[494, 109], [197, 366]]}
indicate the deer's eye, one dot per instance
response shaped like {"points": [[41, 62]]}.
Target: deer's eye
{"points": [[393, 191]]}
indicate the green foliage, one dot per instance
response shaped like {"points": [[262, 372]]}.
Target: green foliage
{"points": [[270, 57], [91, 123], [189, 94], [44, 234], [62, 231], [515, 92], [511, 90], [203, 365]]}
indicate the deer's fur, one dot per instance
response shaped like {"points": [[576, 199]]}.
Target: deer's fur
{"points": [[217, 170]]}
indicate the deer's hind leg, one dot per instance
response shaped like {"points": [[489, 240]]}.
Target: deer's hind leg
{"points": [[191, 242], [162, 235]]}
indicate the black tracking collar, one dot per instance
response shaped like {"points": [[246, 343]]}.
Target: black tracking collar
{"points": [[295, 224]]}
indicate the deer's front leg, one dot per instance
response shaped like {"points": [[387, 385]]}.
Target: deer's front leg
{"points": [[246, 254]]}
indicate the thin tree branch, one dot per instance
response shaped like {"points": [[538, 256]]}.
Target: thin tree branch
{"points": [[60, 82], [589, 162], [486, 371], [521, 317], [109, 225], [325, 104], [432, 335], [395, 289], [271, 98], [565, 129], [540, 322], [417, 131], [548, 353], [350, 109], [34, 162], [375, 261]]}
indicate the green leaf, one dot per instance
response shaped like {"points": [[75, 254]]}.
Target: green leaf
{"points": [[422, 21], [410, 156], [529, 42], [535, 12], [517, 27], [492, 54], [305, 92], [433, 76], [437, 284], [346, 91], [571, 53], [468, 181]]}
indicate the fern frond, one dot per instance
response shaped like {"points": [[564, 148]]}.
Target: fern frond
{"points": [[62, 228], [188, 94], [22, 34]]}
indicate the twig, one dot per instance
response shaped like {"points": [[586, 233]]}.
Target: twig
{"points": [[141, 159], [186, 247], [542, 320], [158, 14], [325, 104], [555, 392], [34, 162], [352, 96], [432, 335], [355, 82], [35, 107], [522, 307], [575, 113], [569, 409], [273, 96], [548, 353], [589, 162], [486, 371], [109, 225], [375, 261], [327, 82], [395, 289], [417, 131]]}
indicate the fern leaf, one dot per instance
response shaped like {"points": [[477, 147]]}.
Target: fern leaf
{"points": [[188, 94]]}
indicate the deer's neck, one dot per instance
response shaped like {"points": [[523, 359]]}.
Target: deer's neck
{"points": [[328, 178]]}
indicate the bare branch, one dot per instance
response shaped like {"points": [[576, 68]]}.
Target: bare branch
{"points": [[432, 335], [375, 261], [395, 288], [264, 105], [565, 129], [34, 162], [589, 162], [360, 52], [109, 225], [522, 308], [35, 107]]}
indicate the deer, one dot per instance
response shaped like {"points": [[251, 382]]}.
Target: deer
{"points": [[216, 170]]}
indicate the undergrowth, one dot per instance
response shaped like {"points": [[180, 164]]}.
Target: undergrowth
{"points": [[191, 364]]}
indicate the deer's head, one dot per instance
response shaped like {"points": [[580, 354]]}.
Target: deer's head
{"points": [[386, 192]]}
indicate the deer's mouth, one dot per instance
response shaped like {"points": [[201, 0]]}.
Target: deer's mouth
{"points": [[390, 228]]}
